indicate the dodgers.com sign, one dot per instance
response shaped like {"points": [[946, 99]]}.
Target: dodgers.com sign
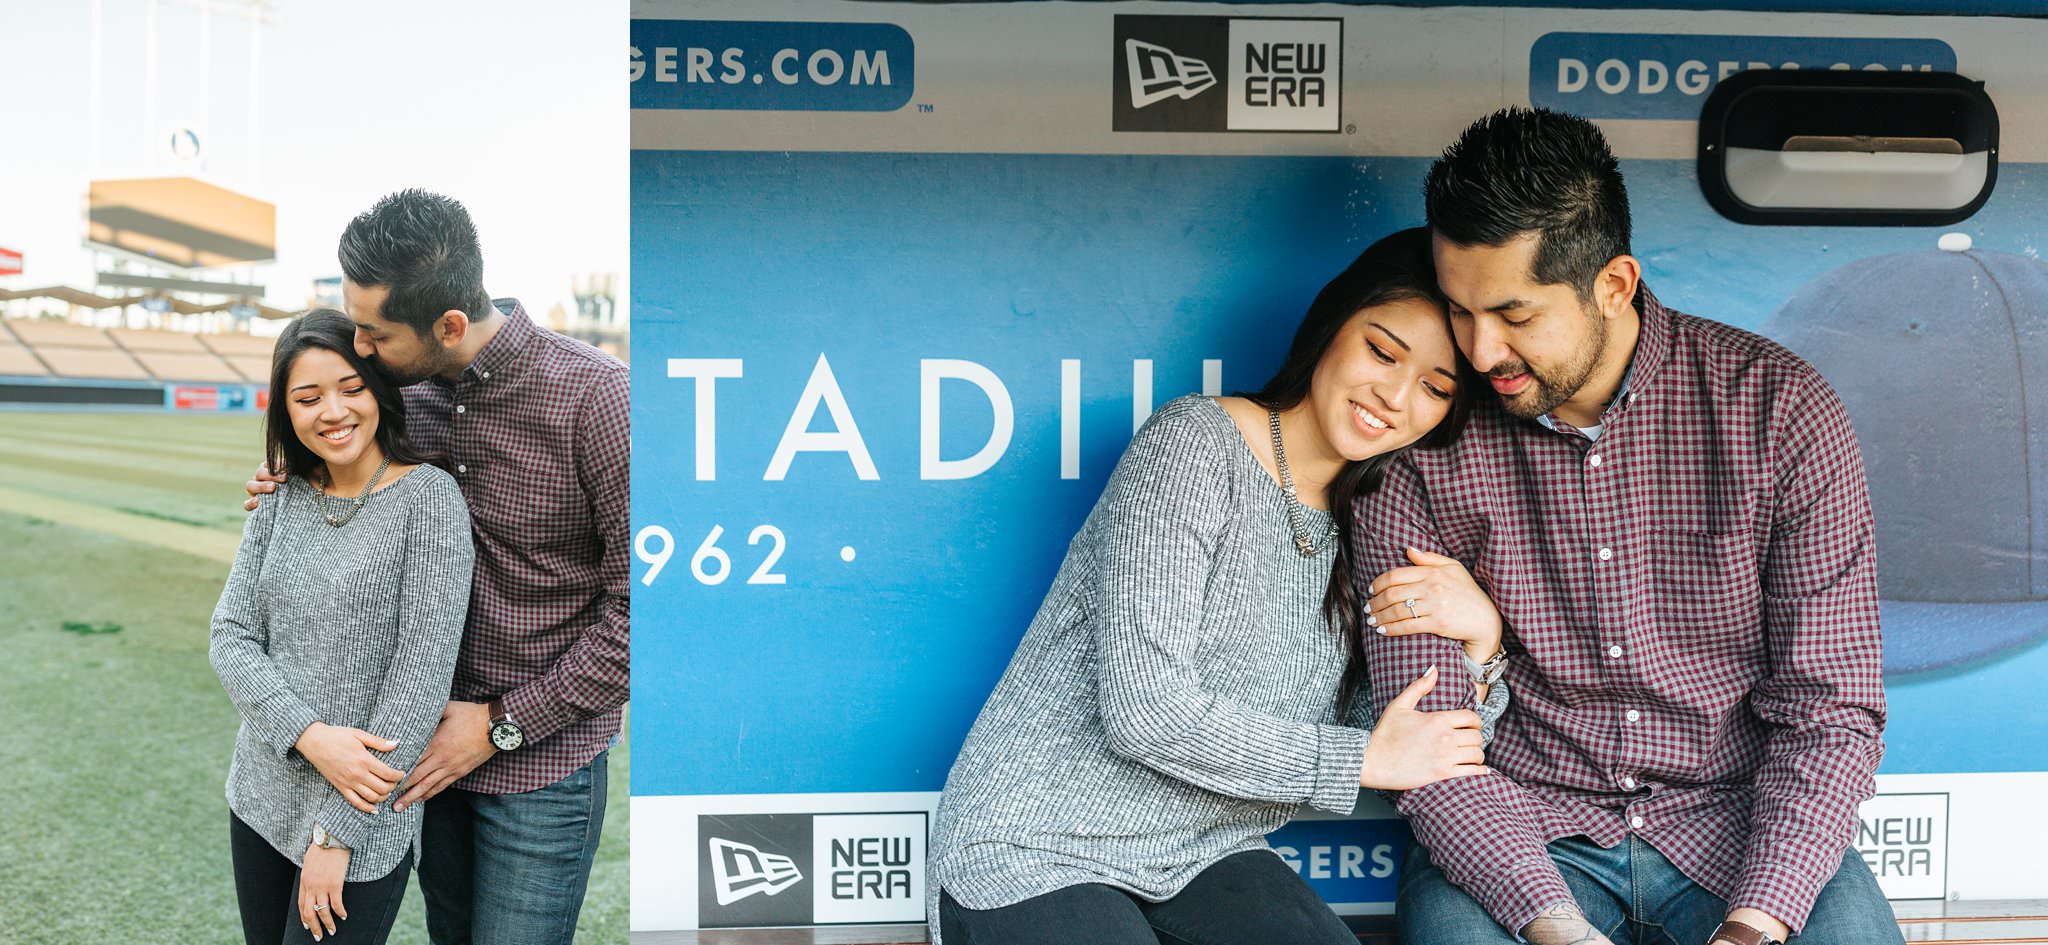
{"points": [[1668, 76], [733, 64]]}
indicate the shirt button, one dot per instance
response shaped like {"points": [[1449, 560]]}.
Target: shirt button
{"points": [[487, 375], [1636, 822], [462, 469], [1614, 651], [1605, 553], [1633, 716], [461, 409], [1628, 782], [1593, 460]]}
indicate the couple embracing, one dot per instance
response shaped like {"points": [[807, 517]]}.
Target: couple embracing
{"points": [[1588, 581], [425, 629]]}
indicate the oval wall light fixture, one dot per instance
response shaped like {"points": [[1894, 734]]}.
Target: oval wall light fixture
{"points": [[1825, 147]]}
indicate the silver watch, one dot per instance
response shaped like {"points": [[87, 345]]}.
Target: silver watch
{"points": [[325, 841], [1489, 672]]}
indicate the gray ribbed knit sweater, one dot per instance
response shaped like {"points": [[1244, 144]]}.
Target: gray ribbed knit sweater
{"points": [[355, 626], [1172, 702]]}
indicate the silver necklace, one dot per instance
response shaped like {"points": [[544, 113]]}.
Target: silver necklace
{"points": [[1303, 542], [327, 482]]}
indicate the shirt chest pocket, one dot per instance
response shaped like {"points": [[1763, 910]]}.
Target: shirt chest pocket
{"points": [[533, 498], [1704, 591]]}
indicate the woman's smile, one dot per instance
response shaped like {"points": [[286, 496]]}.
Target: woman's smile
{"points": [[1370, 422]]}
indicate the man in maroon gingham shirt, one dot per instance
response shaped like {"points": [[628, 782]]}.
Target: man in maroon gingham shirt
{"points": [[1670, 515], [534, 427]]}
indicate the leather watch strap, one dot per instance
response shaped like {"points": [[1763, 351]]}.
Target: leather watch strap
{"points": [[496, 707], [1742, 933]]}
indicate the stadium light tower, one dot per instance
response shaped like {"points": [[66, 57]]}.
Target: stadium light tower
{"points": [[171, 236], [258, 13]]}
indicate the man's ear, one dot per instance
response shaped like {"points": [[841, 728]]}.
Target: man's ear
{"points": [[452, 327], [1614, 288]]}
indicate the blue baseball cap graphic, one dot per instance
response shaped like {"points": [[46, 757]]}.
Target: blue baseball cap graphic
{"points": [[1942, 360]]}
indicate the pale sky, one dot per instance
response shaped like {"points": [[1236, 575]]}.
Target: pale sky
{"points": [[517, 108]]}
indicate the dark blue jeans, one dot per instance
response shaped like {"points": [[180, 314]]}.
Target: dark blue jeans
{"points": [[1637, 897], [511, 869]]}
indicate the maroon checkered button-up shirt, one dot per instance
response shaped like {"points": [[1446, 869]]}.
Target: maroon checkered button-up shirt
{"points": [[535, 432], [1691, 606]]}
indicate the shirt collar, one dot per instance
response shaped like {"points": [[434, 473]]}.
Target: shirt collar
{"points": [[1653, 339], [502, 351]]}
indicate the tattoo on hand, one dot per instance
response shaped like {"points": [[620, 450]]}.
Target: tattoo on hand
{"points": [[1563, 925]]}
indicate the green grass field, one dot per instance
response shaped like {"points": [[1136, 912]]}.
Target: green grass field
{"points": [[116, 531]]}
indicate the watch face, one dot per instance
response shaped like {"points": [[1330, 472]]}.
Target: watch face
{"points": [[507, 736]]}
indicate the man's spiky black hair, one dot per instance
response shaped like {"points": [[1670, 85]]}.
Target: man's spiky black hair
{"points": [[1524, 170], [425, 248]]}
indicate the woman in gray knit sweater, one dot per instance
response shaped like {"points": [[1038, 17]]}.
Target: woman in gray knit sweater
{"points": [[336, 638], [1192, 678]]}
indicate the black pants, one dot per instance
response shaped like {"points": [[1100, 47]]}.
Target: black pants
{"points": [[1250, 898], [267, 888]]}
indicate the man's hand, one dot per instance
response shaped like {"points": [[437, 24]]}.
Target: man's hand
{"points": [[1563, 925], [461, 742], [265, 483], [1760, 921], [320, 884], [343, 757]]}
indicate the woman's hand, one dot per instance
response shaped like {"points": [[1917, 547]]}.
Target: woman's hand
{"points": [[1448, 603], [1411, 748], [343, 757], [320, 884]]}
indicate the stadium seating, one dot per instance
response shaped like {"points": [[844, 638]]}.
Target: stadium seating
{"points": [[253, 369], [233, 345], [108, 363], [41, 332], [145, 340], [174, 366], [247, 354], [37, 347], [16, 360]]}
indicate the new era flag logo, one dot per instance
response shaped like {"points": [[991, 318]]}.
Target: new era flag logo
{"points": [[1158, 73], [739, 871], [1226, 73]]}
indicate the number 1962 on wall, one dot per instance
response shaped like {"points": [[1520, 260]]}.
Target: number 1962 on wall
{"points": [[711, 564]]}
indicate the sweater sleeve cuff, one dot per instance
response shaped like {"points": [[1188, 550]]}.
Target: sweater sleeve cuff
{"points": [[1490, 711], [1340, 758], [282, 719], [347, 825]]}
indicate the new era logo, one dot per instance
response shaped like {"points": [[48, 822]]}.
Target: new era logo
{"points": [[1158, 73], [739, 871], [757, 870], [1227, 73]]}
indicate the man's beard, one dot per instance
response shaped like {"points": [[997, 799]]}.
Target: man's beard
{"points": [[398, 378], [1550, 388]]}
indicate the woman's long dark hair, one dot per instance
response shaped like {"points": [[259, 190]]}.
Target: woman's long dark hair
{"points": [[331, 330], [1395, 269]]}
